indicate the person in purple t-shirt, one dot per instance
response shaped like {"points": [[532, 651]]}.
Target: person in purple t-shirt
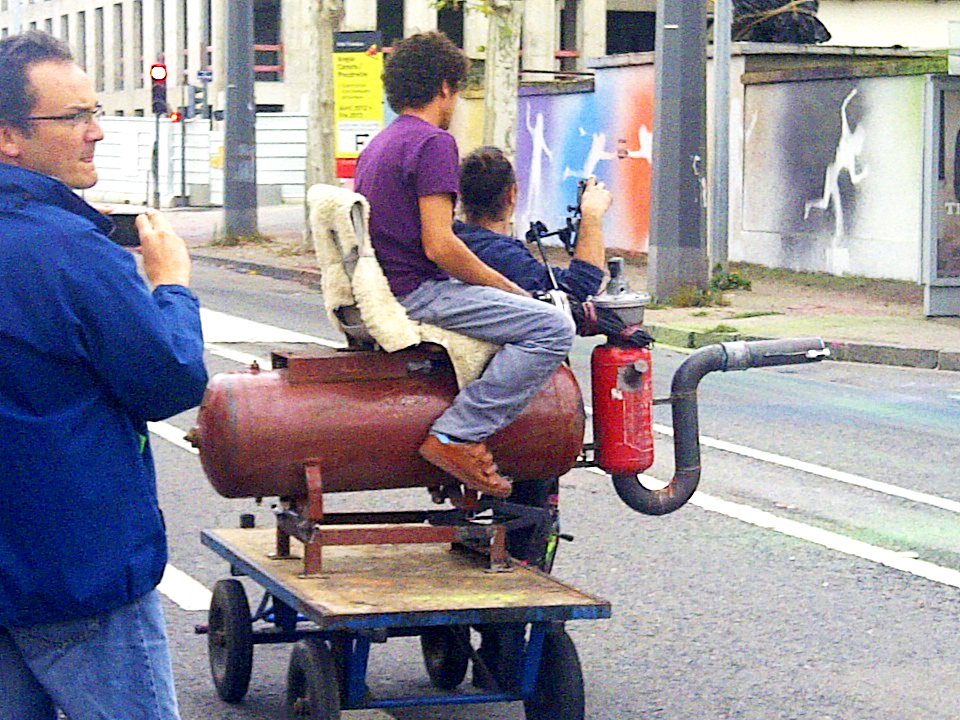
{"points": [[410, 174]]}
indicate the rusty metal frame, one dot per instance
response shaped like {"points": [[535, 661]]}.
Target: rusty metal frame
{"points": [[304, 519]]}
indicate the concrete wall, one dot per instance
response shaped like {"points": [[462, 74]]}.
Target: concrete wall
{"points": [[826, 155], [883, 23]]}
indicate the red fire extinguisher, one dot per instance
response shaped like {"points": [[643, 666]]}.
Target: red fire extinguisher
{"points": [[622, 408], [622, 382]]}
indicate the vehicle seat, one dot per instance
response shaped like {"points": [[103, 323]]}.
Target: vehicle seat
{"points": [[356, 293]]}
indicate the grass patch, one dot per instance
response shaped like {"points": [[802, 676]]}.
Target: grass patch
{"points": [[695, 297], [756, 313], [722, 329], [221, 239]]}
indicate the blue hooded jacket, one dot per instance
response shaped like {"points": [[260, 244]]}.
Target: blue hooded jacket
{"points": [[87, 356]]}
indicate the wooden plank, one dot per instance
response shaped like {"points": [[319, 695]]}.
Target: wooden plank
{"points": [[393, 585]]}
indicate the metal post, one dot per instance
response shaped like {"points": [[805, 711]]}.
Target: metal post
{"points": [[155, 162], [184, 198], [678, 256], [240, 167], [720, 165]]}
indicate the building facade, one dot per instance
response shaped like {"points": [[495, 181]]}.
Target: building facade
{"points": [[117, 41]]}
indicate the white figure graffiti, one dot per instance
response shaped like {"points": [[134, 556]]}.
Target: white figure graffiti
{"points": [[596, 154], [535, 177], [849, 150], [645, 140]]}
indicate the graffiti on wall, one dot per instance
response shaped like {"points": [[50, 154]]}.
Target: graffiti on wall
{"points": [[833, 175], [607, 133]]}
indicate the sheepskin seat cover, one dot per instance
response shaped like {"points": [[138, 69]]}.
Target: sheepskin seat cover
{"points": [[351, 276]]}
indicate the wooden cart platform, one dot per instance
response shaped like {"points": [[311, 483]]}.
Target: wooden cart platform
{"points": [[368, 586], [367, 594]]}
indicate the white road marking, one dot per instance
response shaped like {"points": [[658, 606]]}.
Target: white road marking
{"points": [[189, 594], [834, 541], [825, 472], [220, 327], [236, 356], [172, 434]]}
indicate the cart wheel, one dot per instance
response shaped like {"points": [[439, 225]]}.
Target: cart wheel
{"points": [[230, 640], [313, 688], [558, 693], [446, 654]]}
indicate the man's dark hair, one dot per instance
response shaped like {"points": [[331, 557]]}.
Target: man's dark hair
{"points": [[417, 68], [17, 54], [485, 179]]}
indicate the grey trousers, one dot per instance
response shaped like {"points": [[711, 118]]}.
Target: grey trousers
{"points": [[536, 338]]}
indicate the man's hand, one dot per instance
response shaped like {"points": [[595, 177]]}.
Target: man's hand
{"points": [[595, 200], [165, 257]]}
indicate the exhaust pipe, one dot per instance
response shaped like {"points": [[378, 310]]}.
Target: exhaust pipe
{"points": [[741, 355]]}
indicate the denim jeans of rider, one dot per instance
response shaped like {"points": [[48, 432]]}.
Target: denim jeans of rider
{"points": [[535, 336], [113, 666]]}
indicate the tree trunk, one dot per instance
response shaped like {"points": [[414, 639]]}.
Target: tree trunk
{"points": [[502, 75], [324, 19]]}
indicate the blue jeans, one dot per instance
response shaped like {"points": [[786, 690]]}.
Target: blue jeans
{"points": [[536, 338], [114, 666]]}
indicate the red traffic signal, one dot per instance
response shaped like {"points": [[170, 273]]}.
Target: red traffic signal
{"points": [[175, 116], [158, 72], [158, 88]]}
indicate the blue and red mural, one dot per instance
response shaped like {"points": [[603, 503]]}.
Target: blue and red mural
{"points": [[607, 133]]}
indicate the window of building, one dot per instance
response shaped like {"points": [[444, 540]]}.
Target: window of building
{"points": [[138, 64], [450, 21], [267, 34], [48, 26], [98, 50], [118, 49], [630, 32], [65, 28], [81, 48], [390, 21]]}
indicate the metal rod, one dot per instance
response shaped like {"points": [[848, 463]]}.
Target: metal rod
{"points": [[720, 165]]}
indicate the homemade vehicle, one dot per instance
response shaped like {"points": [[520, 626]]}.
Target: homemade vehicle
{"points": [[352, 420]]}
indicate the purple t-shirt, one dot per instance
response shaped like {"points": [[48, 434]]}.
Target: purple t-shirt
{"points": [[407, 160]]}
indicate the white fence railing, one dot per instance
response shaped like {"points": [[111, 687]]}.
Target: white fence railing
{"points": [[124, 160]]}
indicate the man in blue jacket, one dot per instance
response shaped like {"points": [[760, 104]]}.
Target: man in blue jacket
{"points": [[88, 354], [488, 195]]}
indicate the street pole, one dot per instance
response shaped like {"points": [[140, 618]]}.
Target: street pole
{"points": [[240, 145], [720, 196], [155, 162], [678, 257]]}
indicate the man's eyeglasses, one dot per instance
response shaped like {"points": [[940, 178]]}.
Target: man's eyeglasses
{"points": [[75, 119]]}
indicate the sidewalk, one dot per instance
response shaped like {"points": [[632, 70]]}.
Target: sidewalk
{"points": [[864, 320]]}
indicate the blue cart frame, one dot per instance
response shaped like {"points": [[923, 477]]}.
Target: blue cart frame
{"points": [[371, 593]]}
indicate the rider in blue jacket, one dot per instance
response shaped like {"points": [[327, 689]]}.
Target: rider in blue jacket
{"points": [[488, 196]]}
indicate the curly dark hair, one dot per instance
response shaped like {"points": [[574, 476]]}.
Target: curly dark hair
{"points": [[418, 66], [486, 176], [17, 54]]}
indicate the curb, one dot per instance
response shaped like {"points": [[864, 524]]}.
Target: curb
{"points": [[841, 350], [304, 276]]}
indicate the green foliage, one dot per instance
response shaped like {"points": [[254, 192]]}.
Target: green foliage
{"points": [[695, 297], [728, 280]]}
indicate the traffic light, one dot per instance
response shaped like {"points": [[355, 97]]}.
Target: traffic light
{"points": [[176, 116], [158, 88]]}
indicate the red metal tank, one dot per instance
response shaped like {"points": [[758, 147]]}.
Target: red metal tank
{"points": [[362, 417], [622, 408]]}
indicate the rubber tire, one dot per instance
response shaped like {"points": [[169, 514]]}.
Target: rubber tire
{"points": [[558, 692], [313, 685], [445, 654], [230, 640]]}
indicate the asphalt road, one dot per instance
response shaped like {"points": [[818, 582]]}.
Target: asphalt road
{"points": [[814, 577]]}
